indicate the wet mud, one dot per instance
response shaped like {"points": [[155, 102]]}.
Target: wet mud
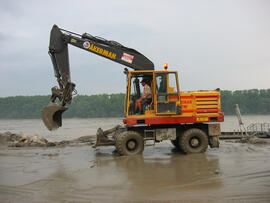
{"points": [[237, 172], [9, 139]]}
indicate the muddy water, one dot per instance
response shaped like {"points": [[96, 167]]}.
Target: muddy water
{"points": [[239, 172], [234, 172]]}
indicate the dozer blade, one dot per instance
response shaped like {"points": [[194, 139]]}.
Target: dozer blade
{"points": [[102, 139], [107, 137], [52, 116]]}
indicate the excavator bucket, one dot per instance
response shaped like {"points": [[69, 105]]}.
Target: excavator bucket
{"points": [[52, 116]]}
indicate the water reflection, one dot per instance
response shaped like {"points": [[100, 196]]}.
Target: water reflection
{"points": [[163, 171], [79, 173]]}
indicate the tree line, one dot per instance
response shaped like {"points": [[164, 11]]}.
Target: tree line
{"points": [[252, 101]]}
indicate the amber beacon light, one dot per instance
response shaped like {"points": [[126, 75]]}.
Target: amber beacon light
{"points": [[165, 66]]}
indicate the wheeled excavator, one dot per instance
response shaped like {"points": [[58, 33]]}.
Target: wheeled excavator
{"points": [[190, 120]]}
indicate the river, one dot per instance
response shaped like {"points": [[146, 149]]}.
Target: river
{"points": [[76, 127]]}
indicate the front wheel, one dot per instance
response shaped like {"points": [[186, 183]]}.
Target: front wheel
{"points": [[129, 143], [193, 140]]}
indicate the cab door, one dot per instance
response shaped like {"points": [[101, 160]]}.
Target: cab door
{"points": [[167, 96]]}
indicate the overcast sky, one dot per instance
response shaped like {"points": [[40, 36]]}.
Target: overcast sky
{"points": [[211, 43]]}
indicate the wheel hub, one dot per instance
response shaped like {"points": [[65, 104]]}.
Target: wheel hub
{"points": [[131, 145], [194, 142]]}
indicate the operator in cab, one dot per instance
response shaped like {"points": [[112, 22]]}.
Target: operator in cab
{"points": [[146, 97]]}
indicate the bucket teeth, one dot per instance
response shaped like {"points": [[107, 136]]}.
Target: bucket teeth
{"points": [[52, 116]]}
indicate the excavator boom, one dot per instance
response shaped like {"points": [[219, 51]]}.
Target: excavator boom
{"points": [[58, 51]]}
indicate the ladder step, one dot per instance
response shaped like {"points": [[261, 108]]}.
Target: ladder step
{"points": [[149, 136], [149, 142]]}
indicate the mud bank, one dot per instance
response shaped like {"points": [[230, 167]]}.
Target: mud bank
{"points": [[9, 139]]}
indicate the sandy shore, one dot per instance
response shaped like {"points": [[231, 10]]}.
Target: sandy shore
{"points": [[235, 171]]}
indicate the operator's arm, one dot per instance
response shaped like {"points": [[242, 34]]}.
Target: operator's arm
{"points": [[147, 92]]}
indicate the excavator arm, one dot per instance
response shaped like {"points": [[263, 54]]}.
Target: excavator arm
{"points": [[58, 51]]}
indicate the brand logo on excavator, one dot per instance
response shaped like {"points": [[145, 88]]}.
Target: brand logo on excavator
{"points": [[127, 58], [102, 52], [86, 45]]}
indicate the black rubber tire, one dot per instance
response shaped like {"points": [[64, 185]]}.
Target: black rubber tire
{"points": [[198, 136], [129, 137]]}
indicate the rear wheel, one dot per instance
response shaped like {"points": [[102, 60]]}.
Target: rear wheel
{"points": [[193, 140], [129, 143]]}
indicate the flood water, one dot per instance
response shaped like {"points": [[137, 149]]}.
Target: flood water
{"points": [[234, 172]]}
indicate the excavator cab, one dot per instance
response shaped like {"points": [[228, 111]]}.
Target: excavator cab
{"points": [[164, 90]]}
